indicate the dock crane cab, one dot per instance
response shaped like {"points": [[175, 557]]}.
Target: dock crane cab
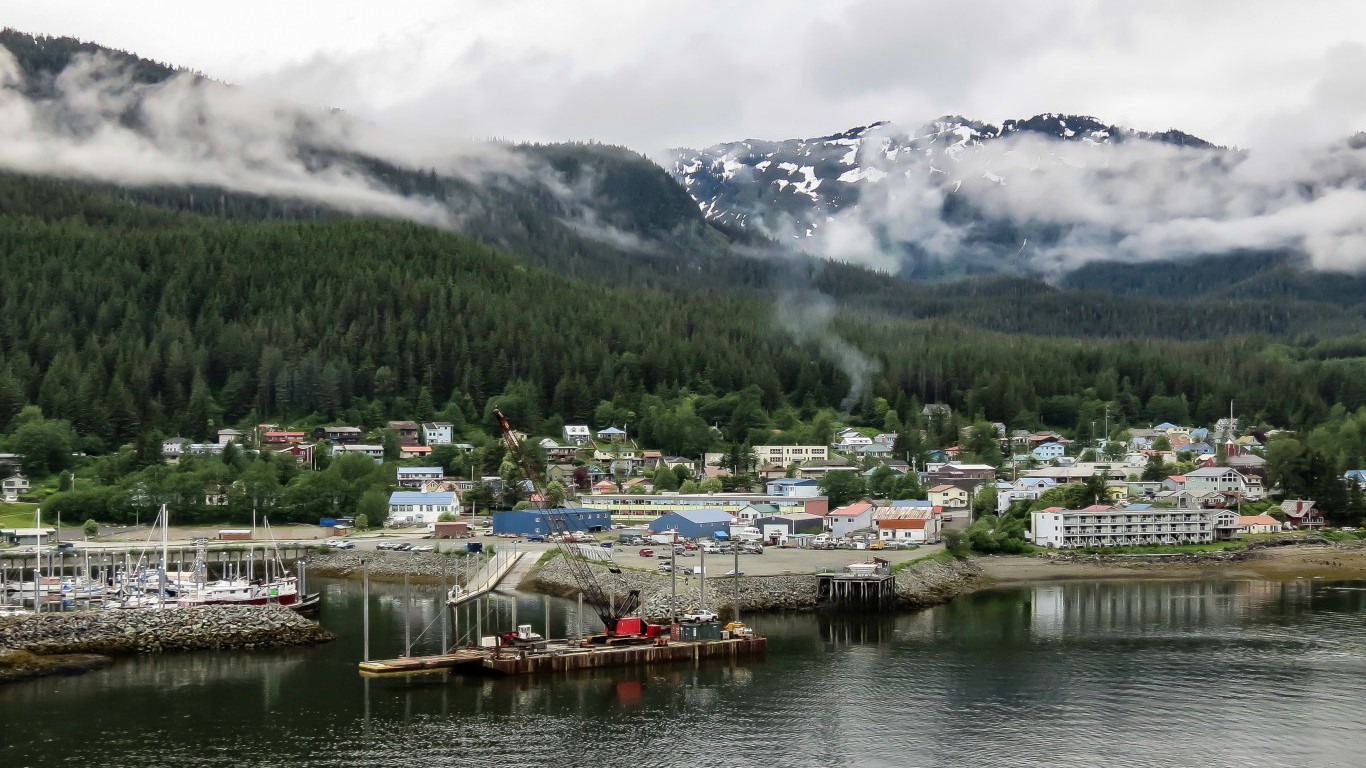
{"points": [[621, 622]]}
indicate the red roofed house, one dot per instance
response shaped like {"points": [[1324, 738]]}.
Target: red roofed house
{"points": [[414, 451], [919, 530], [283, 438], [1300, 513], [850, 517]]}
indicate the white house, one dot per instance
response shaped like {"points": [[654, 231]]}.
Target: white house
{"points": [[1024, 488], [794, 487], [1216, 479], [226, 436], [418, 508], [920, 526], [850, 517], [438, 433], [787, 455], [854, 442], [13, 487], [1259, 524], [577, 434], [416, 477], [1049, 451]]}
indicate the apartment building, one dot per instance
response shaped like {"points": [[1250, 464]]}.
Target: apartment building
{"points": [[787, 455], [1102, 526]]}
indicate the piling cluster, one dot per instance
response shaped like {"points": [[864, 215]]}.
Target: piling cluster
{"points": [[149, 631]]}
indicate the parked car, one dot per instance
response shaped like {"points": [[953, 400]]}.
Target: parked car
{"points": [[666, 567], [711, 549], [342, 544], [688, 553], [751, 549], [647, 552], [690, 545], [403, 547], [733, 572], [423, 548], [699, 616], [386, 545]]}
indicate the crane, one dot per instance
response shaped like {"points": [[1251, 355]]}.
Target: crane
{"points": [[619, 618]]}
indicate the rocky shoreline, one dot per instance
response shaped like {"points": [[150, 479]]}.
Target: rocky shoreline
{"points": [[924, 583], [419, 567], [74, 642]]}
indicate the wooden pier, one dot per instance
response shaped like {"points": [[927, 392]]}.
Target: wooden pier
{"points": [[859, 589], [561, 656]]}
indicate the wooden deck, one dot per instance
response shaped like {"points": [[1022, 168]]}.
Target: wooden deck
{"points": [[560, 658]]}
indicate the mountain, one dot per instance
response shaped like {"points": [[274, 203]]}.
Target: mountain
{"points": [[809, 180], [606, 215]]}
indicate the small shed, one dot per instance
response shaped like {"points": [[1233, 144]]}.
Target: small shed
{"points": [[452, 530], [235, 534]]}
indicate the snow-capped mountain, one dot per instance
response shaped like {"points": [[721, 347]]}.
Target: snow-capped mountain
{"points": [[796, 186]]}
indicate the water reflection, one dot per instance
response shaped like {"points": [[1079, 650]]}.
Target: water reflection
{"points": [[1186, 673]]}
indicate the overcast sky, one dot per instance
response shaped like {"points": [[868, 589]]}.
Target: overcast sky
{"points": [[658, 73]]}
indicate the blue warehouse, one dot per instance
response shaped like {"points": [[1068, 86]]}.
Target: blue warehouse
{"points": [[538, 522], [694, 523]]}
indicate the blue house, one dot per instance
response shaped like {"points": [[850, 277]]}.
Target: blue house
{"points": [[1200, 449], [1048, 451], [694, 523], [541, 522]]}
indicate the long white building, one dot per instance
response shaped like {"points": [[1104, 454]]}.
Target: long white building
{"points": [[1099, 526], [786, 455]]}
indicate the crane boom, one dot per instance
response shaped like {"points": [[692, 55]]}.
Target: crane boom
{"points": [[610, 611]]}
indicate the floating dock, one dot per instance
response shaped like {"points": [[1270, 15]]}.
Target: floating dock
{"points": [[562, 656]]}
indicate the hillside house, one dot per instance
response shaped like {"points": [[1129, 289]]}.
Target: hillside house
{"points": [[407, 431], [1215, 479], [850, 517], [339, 435], [950, 497], [414, 451], [1301, 513], [793, 487], [417, 477], [438, 433], [577, 434], [226, 436], [1048, 451], [787, 455], [1259, 524], [14, 486], [612, 435]]}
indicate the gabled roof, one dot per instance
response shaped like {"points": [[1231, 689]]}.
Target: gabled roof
{"points": [[1258, 520], [944, 488], [913, 503], [1211, 472], [855, 509], [918, 513], [703, 516], [611, 431], [903, 523]]}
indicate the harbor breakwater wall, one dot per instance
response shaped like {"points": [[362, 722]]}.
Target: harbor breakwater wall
{"points": [[114, 632], [420, 567], [920, 585]]}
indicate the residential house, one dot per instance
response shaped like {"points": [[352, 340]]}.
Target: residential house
{"points": [[407, 431], [694, 523], [414, 451], [204, 449], [1215, 479], [576, 434], [920, 526], [375, 452], [818, 468], [885, 438], [680, 461], [438, 433], [1174, 483], [283, 437], [954, 473], [787, 455], [417, 477], [854, 441], [14, 486], [1247, 464], [1048, 451], [1259, 524], [612, 435], [650, 460], [339, 435], [302, 453], [1023, 489], [794, 487], [751, 512], [1301, 513], [1357, 476], [556, 453], [1103, 526], [850, 517], [226, 436], [215, 495], [172, 448], [771, 472], [876, 450], [419, 508], [933, 410], [1199, 449], [950, 497]]}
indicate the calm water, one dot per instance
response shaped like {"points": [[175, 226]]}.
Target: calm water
{"points": [[1134, 674]]}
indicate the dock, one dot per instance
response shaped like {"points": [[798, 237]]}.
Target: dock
{"points": [[563, 656]]}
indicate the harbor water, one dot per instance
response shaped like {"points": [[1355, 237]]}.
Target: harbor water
{"points": [[1151, 673]]}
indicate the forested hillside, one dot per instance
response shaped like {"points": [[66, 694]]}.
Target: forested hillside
{"points": [[124, 319]]}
